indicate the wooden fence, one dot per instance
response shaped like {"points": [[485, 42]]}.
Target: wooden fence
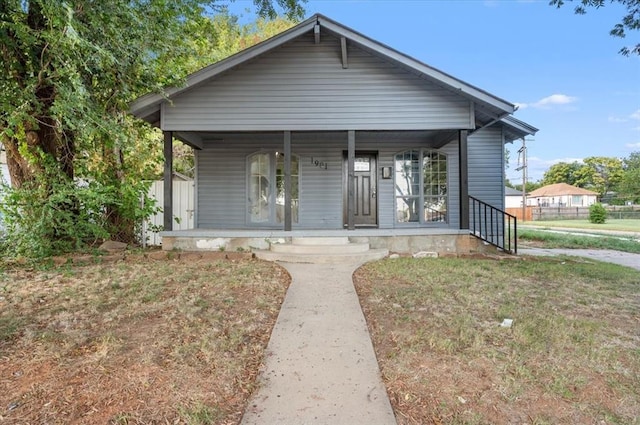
{"points": [[518, 213], [573, 213]]}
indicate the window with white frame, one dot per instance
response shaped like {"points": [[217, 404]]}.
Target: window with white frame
{"points": [[421, 186], [266, 188]]}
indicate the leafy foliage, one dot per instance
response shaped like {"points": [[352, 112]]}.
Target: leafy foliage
{"points": [[69, 71], [601, 174], [597, 214], [629, 22], [630, 181]]}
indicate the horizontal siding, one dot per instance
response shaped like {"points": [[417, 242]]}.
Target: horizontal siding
{"points": [[302, 86], [221, 177], [486, 166], [320, 189]]}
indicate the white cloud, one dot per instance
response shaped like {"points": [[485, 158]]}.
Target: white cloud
{"points": [[616, 119], [555, 99], [550, 101], [635, 115], [633, 145], [636, 128]]}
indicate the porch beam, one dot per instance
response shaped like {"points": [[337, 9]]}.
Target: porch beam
{"points": [[168, 180], [287, 181], [351, 196], [343, 45], [191, 139], [463, 169]]}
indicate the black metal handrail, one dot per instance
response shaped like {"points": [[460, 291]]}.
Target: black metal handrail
{"points": [[493, 225]]}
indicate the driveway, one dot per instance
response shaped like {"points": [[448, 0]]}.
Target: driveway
{"points": [[607, 255]]}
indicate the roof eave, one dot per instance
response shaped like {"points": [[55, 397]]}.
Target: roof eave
{"points": [[521, 126]]}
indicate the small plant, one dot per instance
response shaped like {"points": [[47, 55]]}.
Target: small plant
{"points": [[597, 214], [200, 414]]}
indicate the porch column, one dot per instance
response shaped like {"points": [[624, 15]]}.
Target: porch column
{"points": [[287, 181], [463, 166], [168, 180], [351, 195]]}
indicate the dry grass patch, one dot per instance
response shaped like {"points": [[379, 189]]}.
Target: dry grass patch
{"points": [[572, 355], [135, 342]]}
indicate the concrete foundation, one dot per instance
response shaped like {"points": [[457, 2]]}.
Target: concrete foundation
{"points": [[403, 242]]}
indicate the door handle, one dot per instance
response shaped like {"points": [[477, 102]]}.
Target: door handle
{"points": [[373, 192]]}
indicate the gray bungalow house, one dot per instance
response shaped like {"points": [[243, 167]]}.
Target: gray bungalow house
{"points": [[322, 131]]}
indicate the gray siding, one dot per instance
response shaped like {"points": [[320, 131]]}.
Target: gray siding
{"points": [[302, 86], [222, 182], [486, 166]]}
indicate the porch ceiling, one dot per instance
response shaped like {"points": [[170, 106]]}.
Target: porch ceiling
{"points": [[433, 138]]}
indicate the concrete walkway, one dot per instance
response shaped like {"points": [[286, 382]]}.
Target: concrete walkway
{"points": [[610, 256], [320, 367]]}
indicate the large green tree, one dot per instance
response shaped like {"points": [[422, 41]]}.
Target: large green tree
{"points": [[630, 185], [603, 174], [564, 172], [69, 69], [597, 173], [629, 22]]}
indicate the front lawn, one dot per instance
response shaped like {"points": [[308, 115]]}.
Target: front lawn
{"points": [[135, 342], [571, 356], [623, 225]]}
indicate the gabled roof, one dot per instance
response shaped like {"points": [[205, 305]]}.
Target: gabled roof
{"points": [[487, 106], [560, 189]]}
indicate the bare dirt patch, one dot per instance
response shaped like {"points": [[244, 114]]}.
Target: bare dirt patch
{"points": [[572, 355], [136, 341]]}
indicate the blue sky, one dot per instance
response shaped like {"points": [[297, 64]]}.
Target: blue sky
{"points": [[562, 69]]}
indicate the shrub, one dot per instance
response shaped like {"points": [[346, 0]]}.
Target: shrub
{"points": [[44, 218], [597, 214]]}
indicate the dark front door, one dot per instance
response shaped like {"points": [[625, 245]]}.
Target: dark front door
{"points": [[366, 185]]}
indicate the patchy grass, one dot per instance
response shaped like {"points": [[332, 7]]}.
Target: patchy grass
{"points": [[135, 342], [571, 356], [623, 225], [545, 239]]}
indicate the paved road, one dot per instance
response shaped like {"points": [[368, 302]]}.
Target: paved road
{"points": [[617, 257]]}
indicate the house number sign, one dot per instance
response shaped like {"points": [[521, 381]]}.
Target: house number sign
{"points": [[318, 163]]}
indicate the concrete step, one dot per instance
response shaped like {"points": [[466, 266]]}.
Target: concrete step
{"points": [[362, 257], [321, 240], [350, 248]]}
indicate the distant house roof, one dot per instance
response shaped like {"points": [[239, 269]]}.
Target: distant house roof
{"points": [[488, 109], [509, 191], [560, 189]]}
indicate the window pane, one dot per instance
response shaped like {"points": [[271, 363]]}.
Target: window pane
{"points": [[259, 188], [407, 186], [434, 169], [295, 170], [407, 209]]}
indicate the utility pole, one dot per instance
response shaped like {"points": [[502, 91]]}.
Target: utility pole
{"points": [[522, 161]]}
